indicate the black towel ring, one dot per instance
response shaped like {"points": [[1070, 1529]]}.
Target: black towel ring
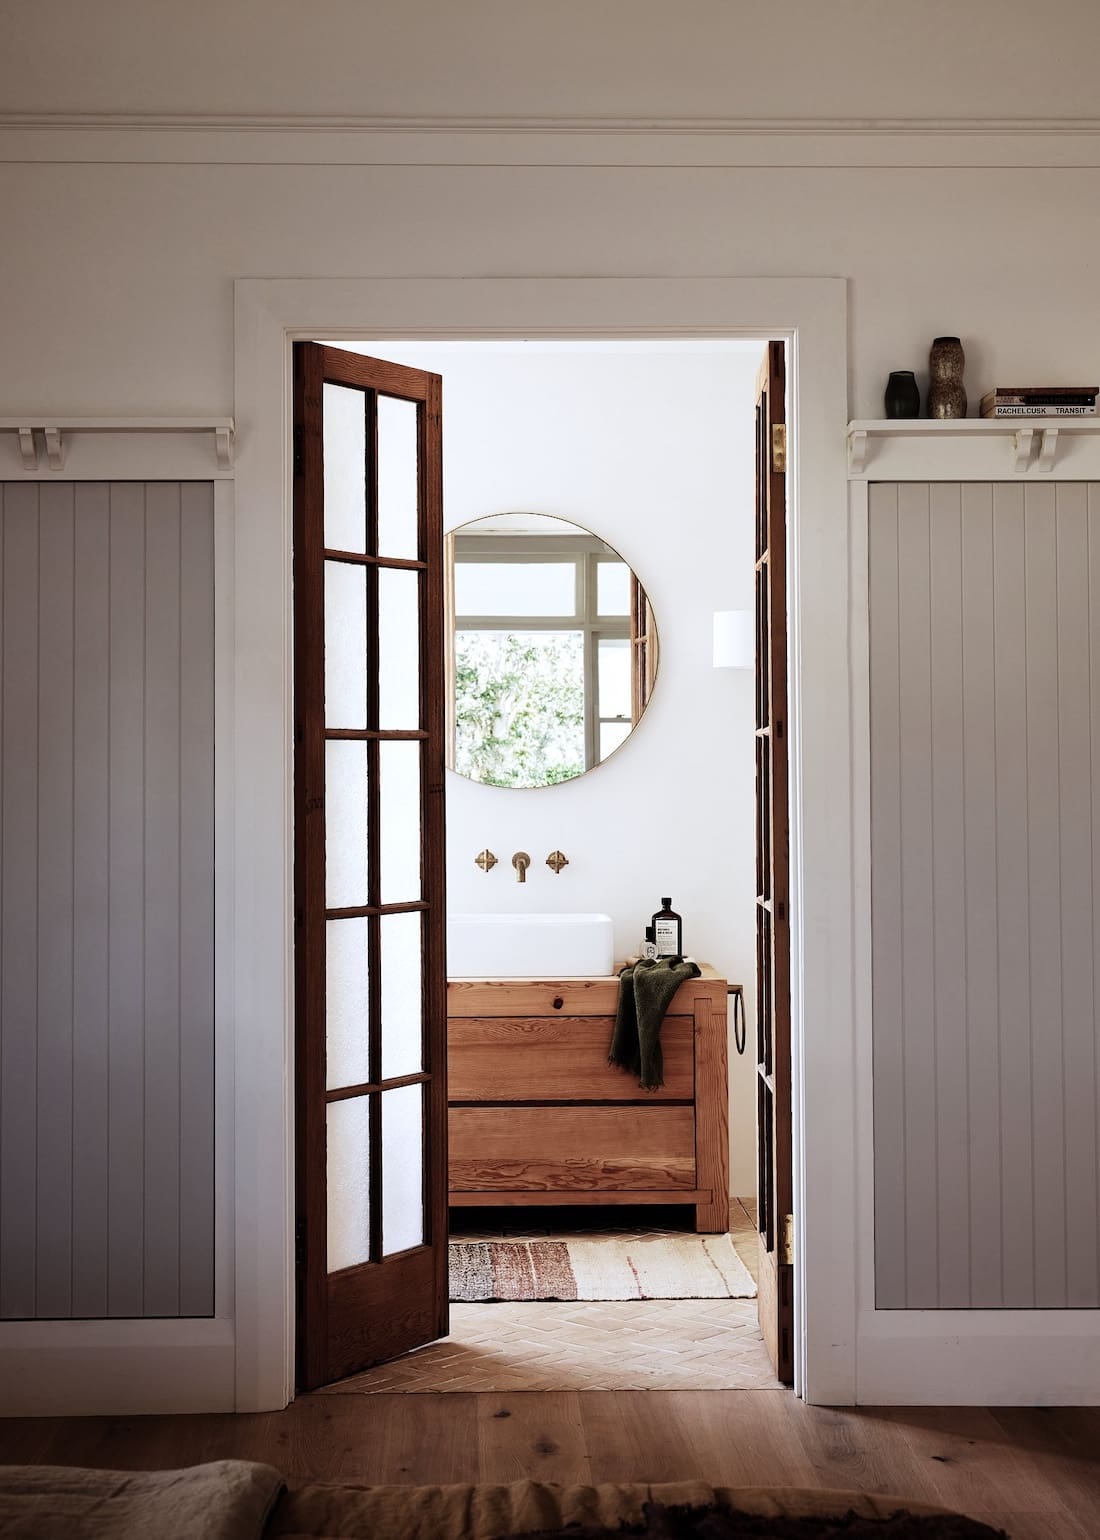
{"points": [[739, 1026]]}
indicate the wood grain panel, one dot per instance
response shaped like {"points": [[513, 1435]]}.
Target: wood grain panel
{"points": [[539, 1058], [560, 997], [985, 678], [513, 1148]]}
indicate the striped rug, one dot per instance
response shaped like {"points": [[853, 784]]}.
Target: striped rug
{"points": [[599, 1267]]}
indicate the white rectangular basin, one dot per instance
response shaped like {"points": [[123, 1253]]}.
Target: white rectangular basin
{"points": [[494, 946]]}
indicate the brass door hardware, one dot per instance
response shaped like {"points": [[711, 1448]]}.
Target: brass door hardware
{"points": [[486, 860], [521, 861], [555, 861]]}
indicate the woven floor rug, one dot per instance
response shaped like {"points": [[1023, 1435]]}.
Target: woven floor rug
{"points": [[600, 1267]]}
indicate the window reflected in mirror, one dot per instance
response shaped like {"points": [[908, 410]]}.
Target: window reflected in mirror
{"points": [[552, 650]]}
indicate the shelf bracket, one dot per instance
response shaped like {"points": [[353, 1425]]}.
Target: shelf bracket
{"points": [[1048, 443], [1022, 441], [28, 449], [857, 451], [223, 447], [54, 451]]}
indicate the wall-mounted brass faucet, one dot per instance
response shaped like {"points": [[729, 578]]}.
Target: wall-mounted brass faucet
{"points": [[521, 861], [555, 861], [486, 860]]}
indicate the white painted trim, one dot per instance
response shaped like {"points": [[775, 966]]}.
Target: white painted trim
{"points": [[446, 124], [975, 449], [811, 313], [186, 1364], [932, 1357], [115, 1368], [684, 142]]}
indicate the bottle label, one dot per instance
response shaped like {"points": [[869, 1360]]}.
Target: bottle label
{"points": [[668, 941]]}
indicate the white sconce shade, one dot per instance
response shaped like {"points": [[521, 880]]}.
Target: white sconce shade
{"points": [[734, 645]]}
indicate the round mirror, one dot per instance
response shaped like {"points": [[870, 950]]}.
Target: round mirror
{"points": [[552, 650]]}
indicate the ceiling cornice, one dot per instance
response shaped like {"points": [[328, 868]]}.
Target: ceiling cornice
{"points": [[710, 127]]}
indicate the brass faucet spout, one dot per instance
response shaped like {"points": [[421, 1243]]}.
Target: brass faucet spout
{"points": [[521, 861]]}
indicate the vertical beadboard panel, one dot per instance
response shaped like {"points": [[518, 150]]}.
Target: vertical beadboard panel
{"points": [[948, 895], [985, 838], [126, 865], [106, 900], [161, 902], [1013, 922], [918, 942], [887, 1002], [91, 897], [984, 1196], [1076, 899], [54, 1090], [196, 828], [19, 903]]}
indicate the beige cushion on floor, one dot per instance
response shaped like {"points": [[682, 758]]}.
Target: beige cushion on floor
{"points": [[223, 1500], [485, 1511]]}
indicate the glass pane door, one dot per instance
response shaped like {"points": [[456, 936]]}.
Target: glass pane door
{"points": [[369, 874]]}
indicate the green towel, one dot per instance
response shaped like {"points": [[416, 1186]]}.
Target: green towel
{"points": [[646, 989]]}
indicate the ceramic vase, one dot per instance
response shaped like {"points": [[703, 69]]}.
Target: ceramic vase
{"points": [[946, 391], [902, 398]]}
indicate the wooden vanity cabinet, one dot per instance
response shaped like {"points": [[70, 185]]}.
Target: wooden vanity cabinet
{"points": [[538, 1116]]}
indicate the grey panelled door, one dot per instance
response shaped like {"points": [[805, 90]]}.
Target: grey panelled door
{"points": [[985, 780], [106, 929]]}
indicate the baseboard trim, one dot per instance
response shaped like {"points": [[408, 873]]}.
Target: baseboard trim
{"points": [[115, 1368]]}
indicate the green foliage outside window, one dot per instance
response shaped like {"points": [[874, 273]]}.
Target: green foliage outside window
{"points": [[519, 706]]}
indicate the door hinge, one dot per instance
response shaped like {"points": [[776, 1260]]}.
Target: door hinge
{"points": [[298, 436], [786, 1240], [300, 1244], [779, 447]]}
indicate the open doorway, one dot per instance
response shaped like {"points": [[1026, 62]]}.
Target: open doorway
{"points": [[675, 788]]}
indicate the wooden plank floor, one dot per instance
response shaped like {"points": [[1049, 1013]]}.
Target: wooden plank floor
{"points": [[1034, 1472]]}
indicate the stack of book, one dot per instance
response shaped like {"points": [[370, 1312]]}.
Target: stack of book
{"points": [[1040, 401]]}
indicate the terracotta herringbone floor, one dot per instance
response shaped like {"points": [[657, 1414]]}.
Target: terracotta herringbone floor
{"points": [[652, 1344]]}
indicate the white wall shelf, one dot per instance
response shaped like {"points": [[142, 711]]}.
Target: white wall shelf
{"points": [[973, 448], [36, 432]]}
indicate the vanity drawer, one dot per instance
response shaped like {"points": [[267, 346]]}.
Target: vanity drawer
{"points": [[557, 1058], [572, 1149]]}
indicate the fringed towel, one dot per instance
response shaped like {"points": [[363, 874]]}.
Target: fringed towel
{"points": [[646, 989]]}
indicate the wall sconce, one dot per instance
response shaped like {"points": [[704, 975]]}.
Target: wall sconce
{"points": [[734, 642]]}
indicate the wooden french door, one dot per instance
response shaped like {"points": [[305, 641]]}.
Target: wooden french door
{"points": [[370, 975], [775, 1302]]}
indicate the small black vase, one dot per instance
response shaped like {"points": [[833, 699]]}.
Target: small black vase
{"points": [[902, 397]]}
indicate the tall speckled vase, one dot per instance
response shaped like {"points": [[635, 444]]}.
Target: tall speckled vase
{"points": [[946, 391]]}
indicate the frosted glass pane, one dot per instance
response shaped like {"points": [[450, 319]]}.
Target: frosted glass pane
{"points": [[402, 1016], [515, 588], [398, 533], [345, 448], [398, 648], [611, 735], [399, 822], [347, 1045], [402, 1169], [345, 824], [614, 677], [613, 588], [345, 645], [348, 1167]]}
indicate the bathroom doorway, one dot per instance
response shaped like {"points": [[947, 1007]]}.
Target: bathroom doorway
{"points": [[677, 539]]}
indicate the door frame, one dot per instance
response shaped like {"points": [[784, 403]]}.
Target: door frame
{"points": [[810, 316]]}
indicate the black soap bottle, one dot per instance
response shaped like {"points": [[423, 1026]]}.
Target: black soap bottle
{"points": [[668, 931]]}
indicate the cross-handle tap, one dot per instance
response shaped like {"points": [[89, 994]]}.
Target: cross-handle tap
{"points": [[521, 861]]}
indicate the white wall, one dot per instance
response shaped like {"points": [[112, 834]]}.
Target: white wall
{"points": [[122, 238], [654, 452]]}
